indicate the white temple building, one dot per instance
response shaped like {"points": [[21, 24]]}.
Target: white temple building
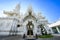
{"points": [[28, 24], [55, 27]]}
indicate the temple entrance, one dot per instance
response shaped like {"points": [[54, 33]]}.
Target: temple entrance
{"points": [[30, 32], [30, 27]]}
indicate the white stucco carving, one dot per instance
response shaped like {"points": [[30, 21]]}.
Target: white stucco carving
{"points": [[15, 24]]}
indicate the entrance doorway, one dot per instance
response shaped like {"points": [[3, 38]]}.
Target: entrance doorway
{"points": [[30, 27], [30, 32]]}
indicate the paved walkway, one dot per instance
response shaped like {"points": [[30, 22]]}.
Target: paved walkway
{"points": [[56, 34], [20, 38], [11, 38]]}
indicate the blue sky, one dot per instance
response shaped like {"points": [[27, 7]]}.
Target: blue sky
{"points": [[49, 8]]}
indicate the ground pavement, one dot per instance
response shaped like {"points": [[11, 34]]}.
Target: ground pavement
{"points": [[11, 38], [20, 38]]}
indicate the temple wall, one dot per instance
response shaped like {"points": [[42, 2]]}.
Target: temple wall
{"points": [[6, 25], [10, 24]]}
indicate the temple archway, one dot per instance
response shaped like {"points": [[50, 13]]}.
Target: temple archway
{"points": [[30, 27]]}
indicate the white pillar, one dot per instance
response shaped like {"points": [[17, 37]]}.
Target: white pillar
{"points": [[58, 29]]}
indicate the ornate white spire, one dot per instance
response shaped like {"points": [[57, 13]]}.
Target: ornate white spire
{"points": [[30, 9], [17, 8], [15, 12], [40, 15]]}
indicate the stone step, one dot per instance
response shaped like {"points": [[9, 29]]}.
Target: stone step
{"points": [[30, 37]]}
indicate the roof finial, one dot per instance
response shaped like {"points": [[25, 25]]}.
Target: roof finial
{"points": [[17, 8], [39, 13], [30, 9]]}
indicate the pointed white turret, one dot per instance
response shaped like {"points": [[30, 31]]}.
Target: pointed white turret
{"points": [[40, 15], [42, 18], [14, 13], [17, 8], [30, 9]]}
